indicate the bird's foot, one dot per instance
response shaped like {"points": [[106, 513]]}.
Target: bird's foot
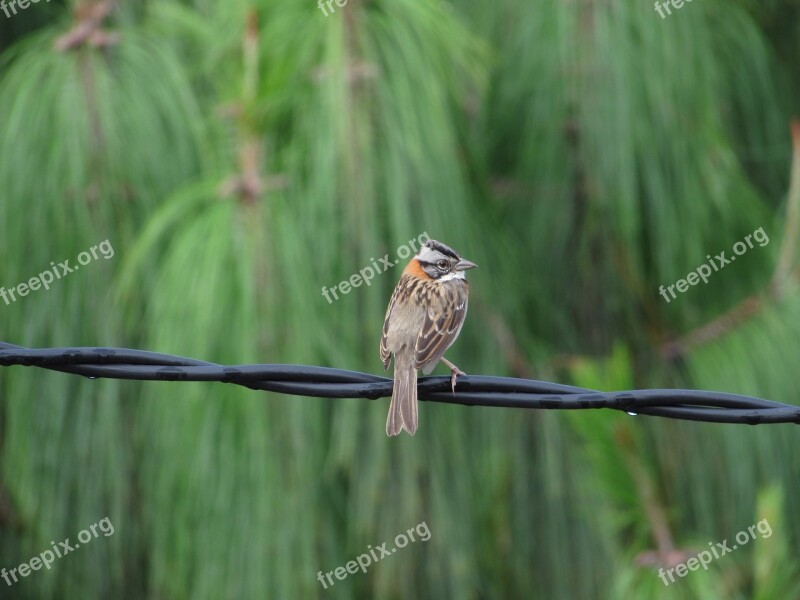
{"points": [[454, 373]]}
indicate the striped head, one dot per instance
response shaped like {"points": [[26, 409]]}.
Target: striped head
{"points": [[439, 262]]}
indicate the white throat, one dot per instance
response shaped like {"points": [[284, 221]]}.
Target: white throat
{"points": [[453, 275]]}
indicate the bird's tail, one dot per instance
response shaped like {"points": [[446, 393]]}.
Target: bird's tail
{"points": [[403, 409]]}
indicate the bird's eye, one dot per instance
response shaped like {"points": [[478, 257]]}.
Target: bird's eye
{"points": [[443, 265]]}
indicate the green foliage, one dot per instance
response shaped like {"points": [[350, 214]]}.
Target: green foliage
{"points": [[241, 156]]}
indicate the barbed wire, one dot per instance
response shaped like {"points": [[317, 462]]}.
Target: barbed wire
{"points": [[471, 390]]}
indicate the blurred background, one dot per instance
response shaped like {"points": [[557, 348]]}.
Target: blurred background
{"points": [[241, 155]]}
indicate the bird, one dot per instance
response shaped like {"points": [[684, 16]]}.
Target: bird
{"points": [[425, 315]]}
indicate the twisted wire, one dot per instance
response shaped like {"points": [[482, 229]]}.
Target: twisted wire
{"points": [[471, 390]]}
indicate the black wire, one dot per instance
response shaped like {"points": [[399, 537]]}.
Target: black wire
{"points": [[471, 390]]}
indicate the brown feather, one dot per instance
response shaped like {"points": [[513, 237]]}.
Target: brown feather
{"points": [[403, 411], [444, 318], [414, 269]]}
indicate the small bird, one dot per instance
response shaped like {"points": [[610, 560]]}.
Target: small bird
{"points": [[423, 320]]}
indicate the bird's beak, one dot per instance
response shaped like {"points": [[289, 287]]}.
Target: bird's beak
{"points": [[464, 264]]}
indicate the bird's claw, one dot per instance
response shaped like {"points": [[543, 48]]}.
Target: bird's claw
{"points": [[454, 373]]}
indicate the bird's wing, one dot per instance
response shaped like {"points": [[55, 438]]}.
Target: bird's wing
{"points": [[386, 354], [443, 322]]}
